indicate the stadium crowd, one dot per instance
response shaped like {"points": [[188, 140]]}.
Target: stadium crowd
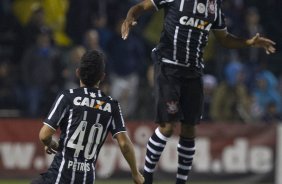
{"points": [[40, 45]]}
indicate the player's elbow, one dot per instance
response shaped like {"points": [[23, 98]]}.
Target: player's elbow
{"points": [[124, 143], [223, 41], [226, 44], [45, 136], [223, 38]]}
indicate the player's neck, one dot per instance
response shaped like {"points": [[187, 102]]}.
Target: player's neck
{"points": [[83, 85]]}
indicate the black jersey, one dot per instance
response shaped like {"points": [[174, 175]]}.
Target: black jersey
{"points": [[185, 32], [85, 116]]}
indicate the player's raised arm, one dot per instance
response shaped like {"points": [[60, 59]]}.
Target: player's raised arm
{"points": [[127, 150], [133, 14], [230, 41]]}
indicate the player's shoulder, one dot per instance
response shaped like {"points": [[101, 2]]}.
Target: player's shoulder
{"points": [[74, 91], [62, 93], [94, 93], [106, 99], [66, 92], [69, 93], [110, 99]]}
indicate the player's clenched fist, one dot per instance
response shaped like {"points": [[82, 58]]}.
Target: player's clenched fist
{"points": [[52, 148]]}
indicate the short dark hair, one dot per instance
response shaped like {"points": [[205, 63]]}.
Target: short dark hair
{"points": [[91, 68]]}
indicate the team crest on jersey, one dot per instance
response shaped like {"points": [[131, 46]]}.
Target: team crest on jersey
{"points": [[211, 7], [172, 107], [201, 8]]}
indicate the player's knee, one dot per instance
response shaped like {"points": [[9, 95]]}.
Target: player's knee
{"points": [[167, 129], [187, 131], [167, 132]]}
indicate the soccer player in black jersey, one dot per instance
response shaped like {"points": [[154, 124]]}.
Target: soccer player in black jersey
{"points": [[178, 70], [85, 116]]}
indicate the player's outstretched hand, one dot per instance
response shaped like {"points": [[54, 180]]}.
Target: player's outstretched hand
{"points": [[126, 26], [138, 178], [267, 44]]}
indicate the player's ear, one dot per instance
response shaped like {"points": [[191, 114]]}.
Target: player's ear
{"points": [[77, 72], [103, 76]]}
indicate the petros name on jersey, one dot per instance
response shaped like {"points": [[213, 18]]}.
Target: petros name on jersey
{"points": [[194, 22], [93, 103], [78, 166]]}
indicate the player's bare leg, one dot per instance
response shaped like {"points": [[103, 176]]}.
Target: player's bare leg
{"points": [[167, 129]]}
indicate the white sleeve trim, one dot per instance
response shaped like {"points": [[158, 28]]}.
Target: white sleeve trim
{"points": [[49, 126], [118, 133], [155, 5]]}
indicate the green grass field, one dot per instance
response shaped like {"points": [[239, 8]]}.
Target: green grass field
{"points": [[117, 182]]}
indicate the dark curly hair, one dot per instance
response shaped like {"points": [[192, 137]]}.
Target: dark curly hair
{"points": [[92, 67]]}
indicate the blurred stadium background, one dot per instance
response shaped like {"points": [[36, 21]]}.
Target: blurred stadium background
{"points": [[111, 182], [41, 41]]}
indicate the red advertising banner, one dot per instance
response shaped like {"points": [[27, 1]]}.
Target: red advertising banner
{"points": [[223, 151]]}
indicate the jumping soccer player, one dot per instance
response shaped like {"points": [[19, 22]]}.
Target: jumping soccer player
{"points": [[178, 63], [85, 116]]}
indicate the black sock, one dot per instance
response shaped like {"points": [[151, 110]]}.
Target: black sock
{"points": [[186, 152]]}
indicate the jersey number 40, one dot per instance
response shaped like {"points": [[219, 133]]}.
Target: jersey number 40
{"points": [[94, 137]]}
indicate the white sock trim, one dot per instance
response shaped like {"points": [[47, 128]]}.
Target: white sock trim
{"points": [[186, 148], [184, 167], [148, 170], [160, 135], [186, 156], [182, 177], [156, 144], [153, 151], [149, 160]]}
